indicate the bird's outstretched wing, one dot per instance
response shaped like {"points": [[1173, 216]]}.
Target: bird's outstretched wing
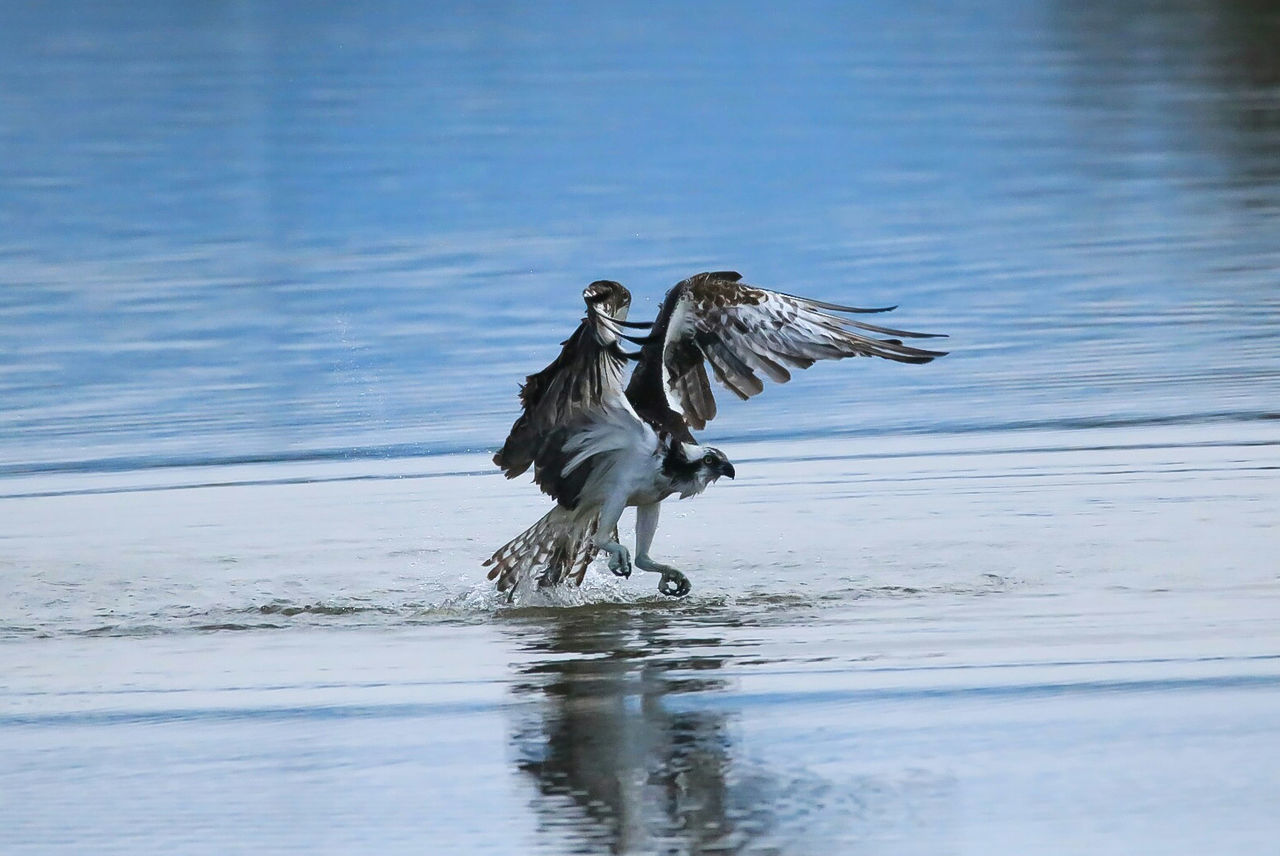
{"points": [[745, 332], [582, 380]]}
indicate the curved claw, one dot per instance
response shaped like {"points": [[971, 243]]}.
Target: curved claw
{"points": [[620, 564], [674, 584]]}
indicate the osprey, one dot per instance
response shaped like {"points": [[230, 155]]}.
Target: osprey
{"points": [[598, 447]]}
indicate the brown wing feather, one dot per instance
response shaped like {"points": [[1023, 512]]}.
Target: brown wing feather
{"points": [[587, 369], [745, 332]]}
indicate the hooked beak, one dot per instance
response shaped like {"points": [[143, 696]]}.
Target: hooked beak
{"points": [[726, 469]]}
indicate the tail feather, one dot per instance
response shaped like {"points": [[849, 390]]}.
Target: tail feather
{"points": [[558, 548]]}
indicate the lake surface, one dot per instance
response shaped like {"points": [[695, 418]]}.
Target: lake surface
{"points": [[270, 274]]}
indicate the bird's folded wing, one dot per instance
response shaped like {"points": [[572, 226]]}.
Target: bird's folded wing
{"points": [[746, 333]]}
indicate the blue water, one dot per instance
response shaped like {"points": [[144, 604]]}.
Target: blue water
{"points": [[265, 229], [270, 274]]}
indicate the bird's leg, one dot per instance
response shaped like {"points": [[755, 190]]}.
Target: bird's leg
{"points": [[607, 535], [673, 583]]}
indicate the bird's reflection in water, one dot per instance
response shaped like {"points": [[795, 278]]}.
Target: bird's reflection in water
{"points": [[619, 762]]}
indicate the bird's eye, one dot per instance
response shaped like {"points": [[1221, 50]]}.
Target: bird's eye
{"points": [[708, 459]]}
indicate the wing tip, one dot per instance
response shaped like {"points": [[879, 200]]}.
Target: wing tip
{"points": [[840, 307], [890, 331], [917, 356]]}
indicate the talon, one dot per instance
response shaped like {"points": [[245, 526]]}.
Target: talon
{"points": [[620, 564], [674, 584]]}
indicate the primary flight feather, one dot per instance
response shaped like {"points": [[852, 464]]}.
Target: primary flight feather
{"points": [[597, 448]]}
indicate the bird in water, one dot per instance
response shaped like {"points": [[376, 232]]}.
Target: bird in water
{"points": [[598, 447]]}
